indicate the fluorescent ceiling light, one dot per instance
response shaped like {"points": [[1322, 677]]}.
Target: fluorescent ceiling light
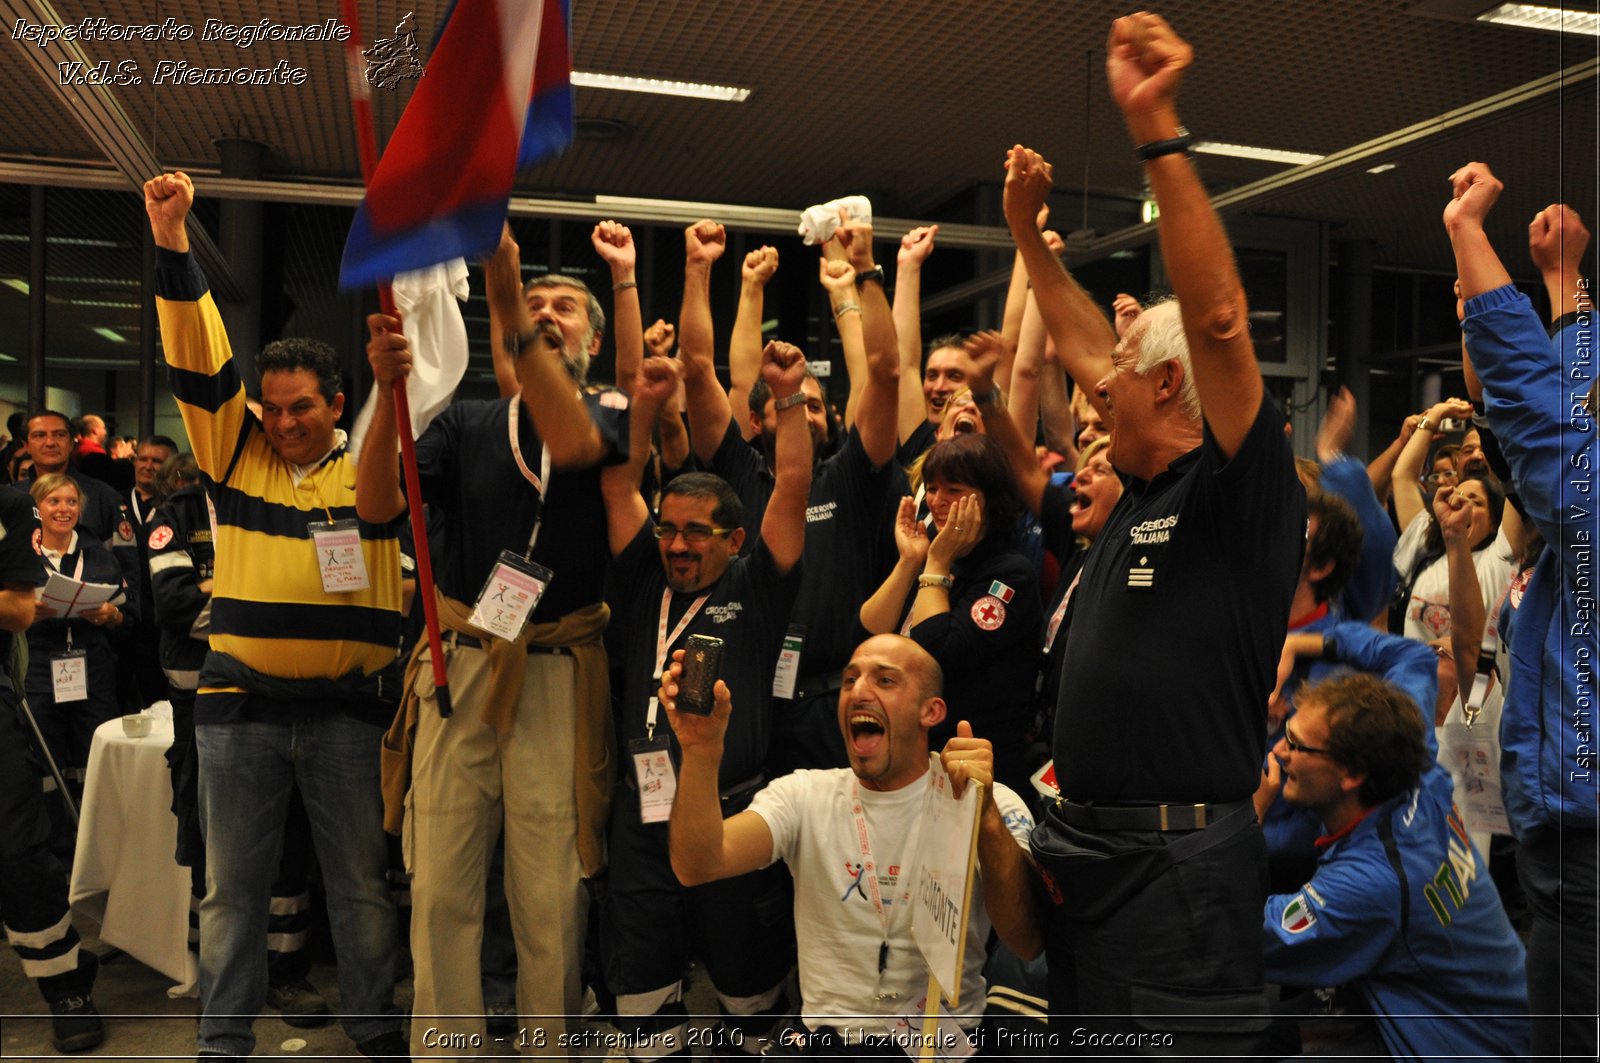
{"points": [[1245, 151], [102, 304], [67, 241], [661, 86], [105, 333], [16, 282], [1382, 167], [1544, 17]]}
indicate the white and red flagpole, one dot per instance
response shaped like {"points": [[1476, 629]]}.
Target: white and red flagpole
{"points": [[366, 138]]}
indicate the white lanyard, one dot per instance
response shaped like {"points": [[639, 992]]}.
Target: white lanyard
{"points": [[663, 640], [538, 481], [869, 871], [1061, 611], [138, 514], [1479, 692]]}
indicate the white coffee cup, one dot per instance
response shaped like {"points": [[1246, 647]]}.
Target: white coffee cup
{"points": [[137, 725]]}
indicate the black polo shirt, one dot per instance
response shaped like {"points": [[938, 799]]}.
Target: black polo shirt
{"points": [[988, 646], [918, 443], [747, 609], [480, 503], [849, 538], [1177, 626]]}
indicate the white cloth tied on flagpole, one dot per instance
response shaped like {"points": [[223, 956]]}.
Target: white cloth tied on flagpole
{"points": [[817, 224], [429, 301]]}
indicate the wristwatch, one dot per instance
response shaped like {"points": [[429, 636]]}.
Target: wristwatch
{"points": [[873, 274], [926, 580], [779, 405]]}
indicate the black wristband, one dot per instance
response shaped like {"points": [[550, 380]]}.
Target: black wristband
{"points": [[1171, 146], [873, 274]]}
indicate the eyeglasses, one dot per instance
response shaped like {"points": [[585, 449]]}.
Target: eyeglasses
{"points": [[693, 533], [1434, 479], [1300, 747]]}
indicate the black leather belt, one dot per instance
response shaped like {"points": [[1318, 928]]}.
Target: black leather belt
{"points": [[458, 639], [1144, 817]]}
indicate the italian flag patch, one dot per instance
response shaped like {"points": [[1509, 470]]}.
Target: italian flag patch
{"points": [[1298, 916], [1001, 591]]}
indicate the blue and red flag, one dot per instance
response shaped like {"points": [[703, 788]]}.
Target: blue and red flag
{"points": [[496, 96]]}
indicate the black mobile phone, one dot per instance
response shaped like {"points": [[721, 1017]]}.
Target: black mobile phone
{"points": [[702, 666]]}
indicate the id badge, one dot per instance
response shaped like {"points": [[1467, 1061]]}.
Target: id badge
{"points": [[656, 777], [510, 595], [340, 562], [69, 676], [787, 674]]}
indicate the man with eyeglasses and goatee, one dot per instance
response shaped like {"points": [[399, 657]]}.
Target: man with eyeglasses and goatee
{"points": [[680, 578]]}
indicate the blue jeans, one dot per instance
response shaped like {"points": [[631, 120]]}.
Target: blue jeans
{"points": [[246, 770]]}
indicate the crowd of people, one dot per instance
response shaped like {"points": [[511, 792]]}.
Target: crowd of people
{"points": [[1263, 739]]}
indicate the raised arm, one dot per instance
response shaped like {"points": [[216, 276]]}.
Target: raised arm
{"points": [[1027, 368], [613, 242], [204, 378], [1380, 470], [1467, 612], [703, 846], [1408, 499], [548, 391], [877, 395], [1055, 407], [378, 495], [744, 343], [709, 410], [655, 381], [915, 247], [502, 361], [984, 350], [1145, 61], [1557, 240], [1082, 336], [783, 526]]}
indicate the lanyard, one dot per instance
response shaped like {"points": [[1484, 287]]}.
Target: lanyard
{"points": [[663, 640], [138, 514], [1061, 611], [869, 871], [538, 481]]}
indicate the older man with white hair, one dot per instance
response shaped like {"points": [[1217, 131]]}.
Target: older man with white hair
{"points": [[1155, 861]]}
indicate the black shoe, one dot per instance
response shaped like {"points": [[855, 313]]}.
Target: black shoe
{"points": [[76, 1024], [300, 1004], [500, 1019], [386, 1048]]}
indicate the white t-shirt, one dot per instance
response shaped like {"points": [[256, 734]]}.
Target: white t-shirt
{"points": [[814, 832], [1428, 610]]}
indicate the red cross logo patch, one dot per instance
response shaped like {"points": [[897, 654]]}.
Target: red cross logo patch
{"points": [[160, 537], [989, 612]]}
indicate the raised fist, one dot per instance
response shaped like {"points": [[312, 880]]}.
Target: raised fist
{"points": [[1145, 61], [1028, 182], [614, 244], [916, 246], [783, 367], [760, 265], [1473, 191], [167, 199], [704, 241]]}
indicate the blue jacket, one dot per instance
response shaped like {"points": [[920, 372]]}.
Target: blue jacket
{"points": [[1372, 583], [1402, 909], [1532, 391], [1291, 830]]}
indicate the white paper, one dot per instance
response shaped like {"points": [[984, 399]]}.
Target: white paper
{"points": [[68, 597]]}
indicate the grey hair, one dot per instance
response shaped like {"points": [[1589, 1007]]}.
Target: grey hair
{"points": [[1161, 340]]}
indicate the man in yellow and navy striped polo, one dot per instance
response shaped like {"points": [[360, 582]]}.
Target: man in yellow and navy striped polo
{"points": [[301, 676]]}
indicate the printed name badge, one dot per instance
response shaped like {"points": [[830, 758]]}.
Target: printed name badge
{"points": [[340, 562], [510, 595], [787, 674], [69, 676], [657, 779]]}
